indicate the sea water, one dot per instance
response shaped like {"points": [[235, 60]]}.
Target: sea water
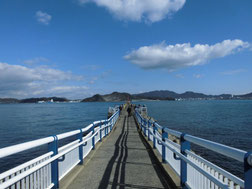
{"points": [[225, 121]]}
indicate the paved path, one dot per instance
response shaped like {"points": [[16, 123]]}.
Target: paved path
{"points": [[122, 161]]}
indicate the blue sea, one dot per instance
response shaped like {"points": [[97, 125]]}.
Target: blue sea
{"points": [[225, 121]]}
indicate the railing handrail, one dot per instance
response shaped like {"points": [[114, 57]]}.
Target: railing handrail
{"points": [[10, 150], [55, 155], [228, 151], [183, 153], [225, 150]]}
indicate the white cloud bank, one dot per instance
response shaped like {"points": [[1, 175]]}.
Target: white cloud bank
{"points": [[20, 81], [138, 10], [173, 57], [43, 17]]}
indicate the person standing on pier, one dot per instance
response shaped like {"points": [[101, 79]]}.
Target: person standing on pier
{"points": [[129, 111]]}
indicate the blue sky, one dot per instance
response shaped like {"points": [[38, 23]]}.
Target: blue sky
{"points": [[76, 48]]}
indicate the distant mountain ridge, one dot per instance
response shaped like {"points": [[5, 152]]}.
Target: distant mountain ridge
{"points": [[117, 96], [113, 97], [191, 95], [9, 100], [159, 94], [32, 100], [249, 95], [45, 99]]}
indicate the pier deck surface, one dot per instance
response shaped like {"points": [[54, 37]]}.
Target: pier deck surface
{"points": [[122, 161]]}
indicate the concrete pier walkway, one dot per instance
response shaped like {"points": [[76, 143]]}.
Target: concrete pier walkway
{"points": [[123, 160]]}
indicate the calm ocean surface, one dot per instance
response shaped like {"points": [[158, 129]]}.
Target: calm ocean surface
{"points": [[228, 122]]}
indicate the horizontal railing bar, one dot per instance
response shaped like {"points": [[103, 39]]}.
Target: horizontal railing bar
{"points": [[231, 152], [232, 177], [113, 115], [30, 171], [173, 143], [89, 134], [225, 150], [7, 151], [173, 132], [24, 165], [157, 133], [10, 150], [158, 126], [206, 174], [35, 143], [67, 134], [50, 186], [96, 122], [217, 147], [168, 140], [87, 128]]}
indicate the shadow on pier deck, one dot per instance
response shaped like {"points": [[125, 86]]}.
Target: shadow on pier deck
{"points": [[123, 160]]}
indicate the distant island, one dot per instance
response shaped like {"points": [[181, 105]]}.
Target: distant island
{"points": [[117, 97], [35, 100], [162, 95], [193, 95]]}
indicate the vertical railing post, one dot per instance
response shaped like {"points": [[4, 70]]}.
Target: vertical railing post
{"points": [[145, 124], [248, 170], [149, 129], [105, 124], [109, 123], [112, 124], [93, 138], [141, 124], [184, 145], [164, 136], [53, 146], [154, 134], [100, 124], [80, 136], [106, 128]]}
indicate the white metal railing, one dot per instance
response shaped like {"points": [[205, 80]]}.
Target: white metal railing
{"points": [[48, 169], [195, 171]]}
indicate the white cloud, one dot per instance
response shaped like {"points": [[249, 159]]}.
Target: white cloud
{"points": [[233, 72], [43, 17], [138, 10], [177, 56], [21, 81]]}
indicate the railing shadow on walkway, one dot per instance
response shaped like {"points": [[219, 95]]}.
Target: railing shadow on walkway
{"points": [[121, 152], [105, 179], [165, 179]]}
